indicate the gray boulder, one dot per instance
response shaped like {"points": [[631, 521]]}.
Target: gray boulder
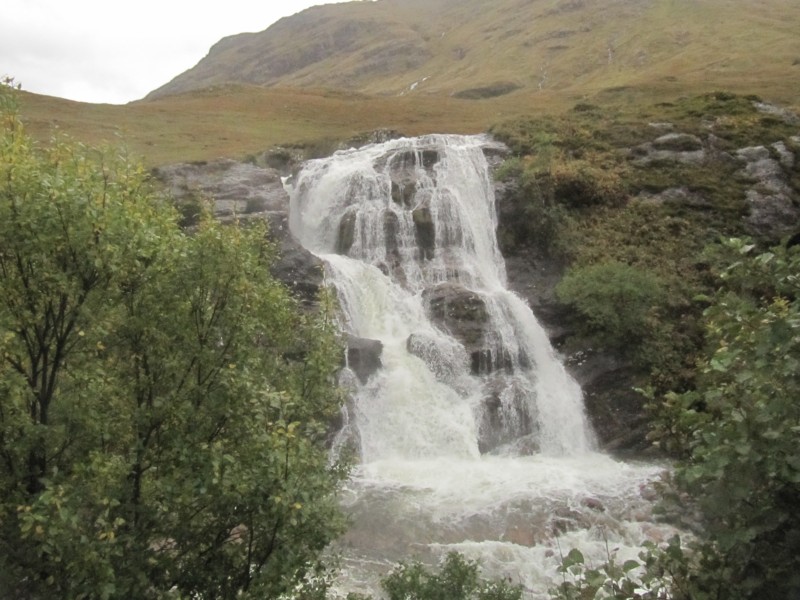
{"points": [[363, 356], [773, 210]]}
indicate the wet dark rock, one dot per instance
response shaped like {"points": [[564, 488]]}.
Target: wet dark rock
{"points": [[615, 411], [430, 158], [403, 193], [297, 268], [347, 232], [489, 359], [495, 153], [504, 418], [364, 356], [593, 504], [403, 164], [460, 311], [391, 229], [447, 364], [424, 231]]}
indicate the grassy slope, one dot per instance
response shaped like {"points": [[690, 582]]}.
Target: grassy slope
{"points": [[569, 46], [240, 120]]}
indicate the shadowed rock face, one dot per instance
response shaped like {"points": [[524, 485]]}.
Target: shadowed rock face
{"points": [[244, 191]]}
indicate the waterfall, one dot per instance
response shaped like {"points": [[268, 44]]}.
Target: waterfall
{"points": [[472, 435], [407, 231]]}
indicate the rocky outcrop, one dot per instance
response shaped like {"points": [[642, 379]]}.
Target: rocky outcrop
{"points": [[773, 210], [240, 191], [616, 410], [424, 231], [504, 418], [447, 364], [671, 147]]}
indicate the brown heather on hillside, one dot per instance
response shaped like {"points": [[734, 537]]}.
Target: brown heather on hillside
{"points": [[482, 48], [336, 71]]}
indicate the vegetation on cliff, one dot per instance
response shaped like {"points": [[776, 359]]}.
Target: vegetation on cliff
{"points": [[651, 191]]}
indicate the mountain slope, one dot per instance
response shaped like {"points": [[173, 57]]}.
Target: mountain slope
{"points": [[476, 48]]}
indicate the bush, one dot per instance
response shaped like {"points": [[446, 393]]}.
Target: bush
{"points": [[159, 437], [615, 299], [456, 579], [739, 431]]}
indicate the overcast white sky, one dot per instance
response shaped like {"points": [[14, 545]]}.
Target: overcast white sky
{"points": [[112, 51]]}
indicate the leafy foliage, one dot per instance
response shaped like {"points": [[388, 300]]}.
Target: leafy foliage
{"points": [[578, 192], [456, 578], [738, 482], [163, 402], [615, 299], [740, 430], [658, 574]]}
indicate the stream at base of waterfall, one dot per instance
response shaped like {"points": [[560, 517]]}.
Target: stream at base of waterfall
{"points": [[471, 435]]}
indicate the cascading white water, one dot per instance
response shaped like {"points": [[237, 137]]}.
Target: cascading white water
{"points": [[472, 435]]}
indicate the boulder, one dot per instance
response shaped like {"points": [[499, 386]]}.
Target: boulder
{"points": [[671, 147], [363, 356], [424, 231], [773, 211], [463, 314], [460, 311], [504, 418], [403, 193], [445, 362], [678, 142]]}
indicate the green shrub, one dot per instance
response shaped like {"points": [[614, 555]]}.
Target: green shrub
{"points": [[615, 299], [456, 579]]}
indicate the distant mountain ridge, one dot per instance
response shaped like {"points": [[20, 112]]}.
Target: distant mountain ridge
{"points": [[481, 48]]}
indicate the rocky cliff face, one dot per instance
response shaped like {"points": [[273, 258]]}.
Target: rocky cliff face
{"points": [[721, 186], [243, 191], [236, 190]]}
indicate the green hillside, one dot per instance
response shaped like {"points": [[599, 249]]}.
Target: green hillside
{"points": [[475, 48]]}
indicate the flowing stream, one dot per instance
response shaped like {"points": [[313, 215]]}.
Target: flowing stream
{"points": [[471, 435]]}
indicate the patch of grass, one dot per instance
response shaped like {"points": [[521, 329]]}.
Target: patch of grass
{"points": [[488, 91]]}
